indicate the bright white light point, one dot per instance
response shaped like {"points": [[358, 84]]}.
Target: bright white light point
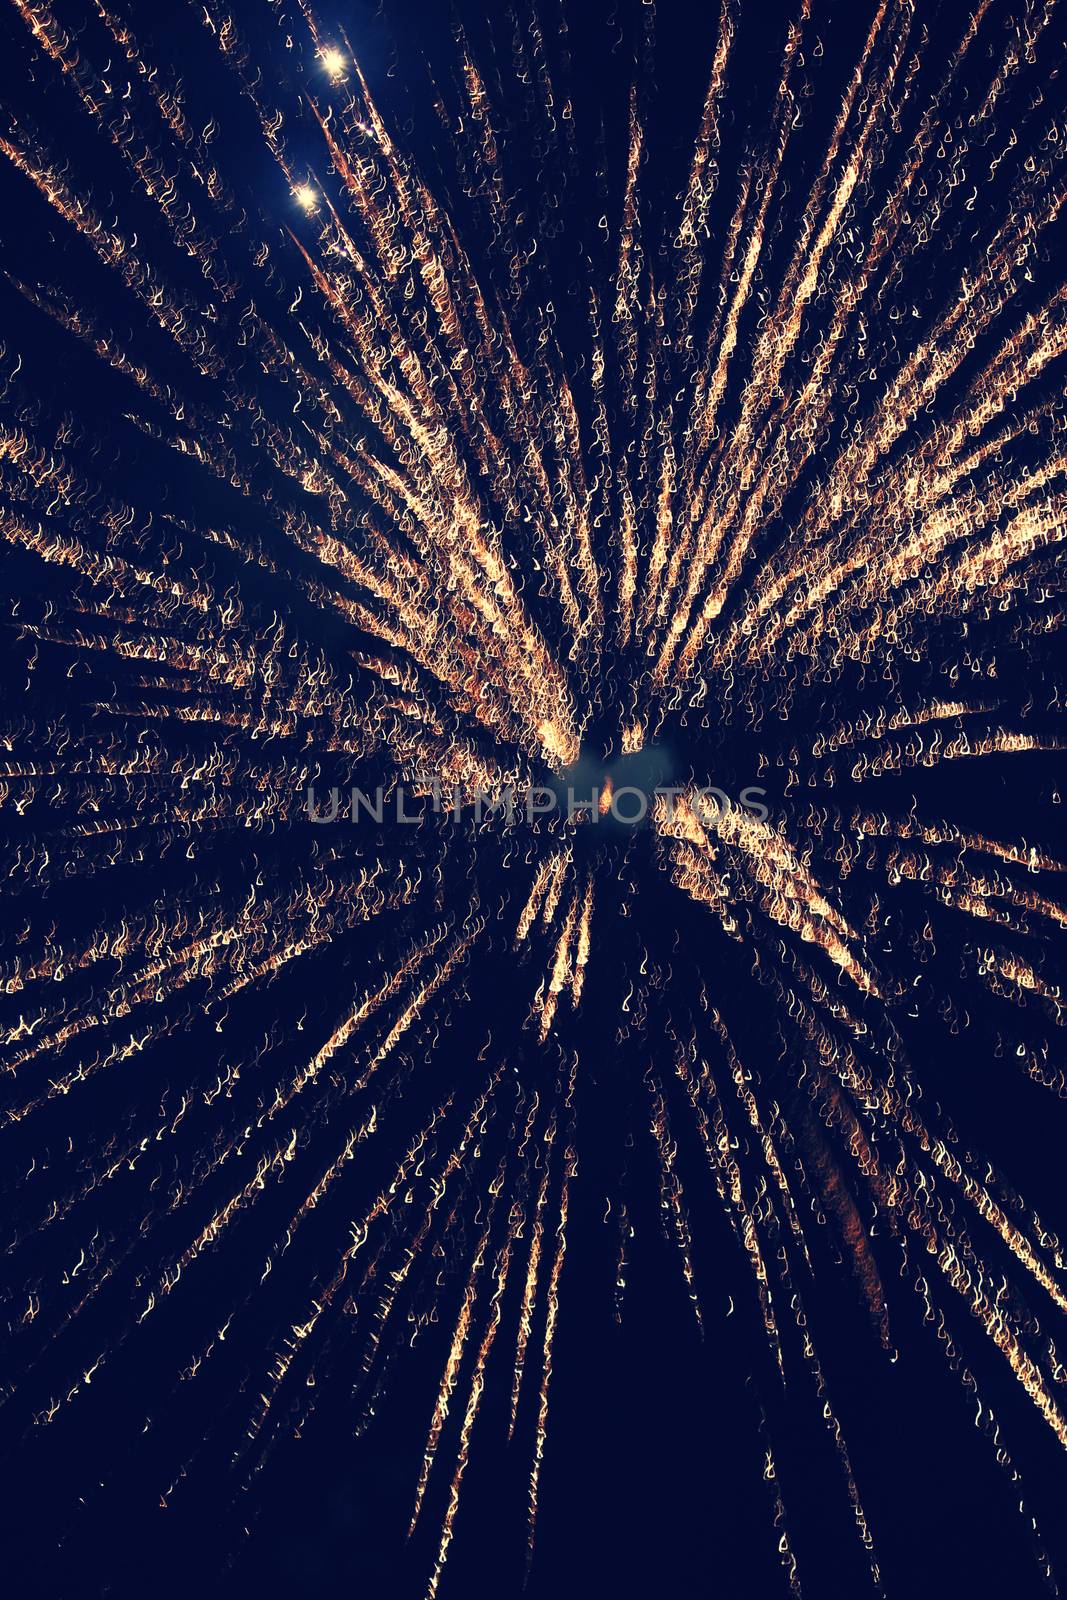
{"points": [[305, 196], [333, 60]]}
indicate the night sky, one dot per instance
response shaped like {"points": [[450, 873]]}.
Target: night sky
{"points": [[461, 403]]}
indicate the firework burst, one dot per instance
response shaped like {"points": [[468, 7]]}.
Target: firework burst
{"points": [[434, 453]]}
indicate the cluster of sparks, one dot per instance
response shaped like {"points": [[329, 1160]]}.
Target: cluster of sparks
{"points": [[414, 535]]}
